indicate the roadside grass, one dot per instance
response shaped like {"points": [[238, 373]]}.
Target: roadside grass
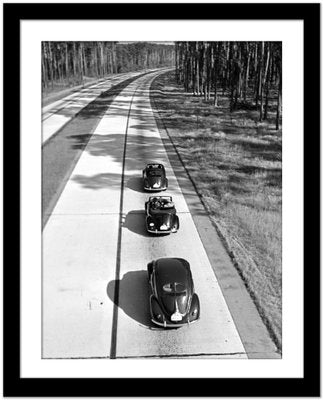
{"points": [[235, 162]]}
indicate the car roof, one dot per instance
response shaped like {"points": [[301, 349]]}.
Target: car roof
{"points": [[172, 270]]}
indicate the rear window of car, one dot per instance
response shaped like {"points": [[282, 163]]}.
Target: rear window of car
{"points": [[174, 288], [154, 172]]}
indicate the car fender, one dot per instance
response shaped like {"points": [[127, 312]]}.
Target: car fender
{"points": [[148, 220], [155, 308], [195, 306], [176, 222], [150, 269]]}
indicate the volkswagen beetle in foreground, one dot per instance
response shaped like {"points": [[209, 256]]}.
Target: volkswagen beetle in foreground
{"points": [[161, 215], [173, 302], [154, 177]]}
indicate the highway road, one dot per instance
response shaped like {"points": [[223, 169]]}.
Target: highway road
{"points": [[96, 249], [58, 113]]}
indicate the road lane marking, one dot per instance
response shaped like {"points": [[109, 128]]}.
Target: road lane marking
{"points": [[113, 344]]}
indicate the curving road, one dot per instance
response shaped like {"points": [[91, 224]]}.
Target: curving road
{"points": [[95, 251], [57, 114]]}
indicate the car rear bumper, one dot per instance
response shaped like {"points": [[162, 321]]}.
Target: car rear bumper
{"points": [[149, 189], [157, 232], [154, 189], [166, 324]]}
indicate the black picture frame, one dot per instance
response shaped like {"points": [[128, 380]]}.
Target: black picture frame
{"points": [[14, 385]]}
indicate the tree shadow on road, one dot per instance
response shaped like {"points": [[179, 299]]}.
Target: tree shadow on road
{"points": [[99, 181]]}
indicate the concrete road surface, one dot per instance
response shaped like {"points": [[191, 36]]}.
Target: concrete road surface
{"points": [[57, 114], [96, 249]]}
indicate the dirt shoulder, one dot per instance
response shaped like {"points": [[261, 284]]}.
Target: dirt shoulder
{"points": [[234, 164]]}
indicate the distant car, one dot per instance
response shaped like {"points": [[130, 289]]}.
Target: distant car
{"points": [[154, 177], [173, 302], [161, 215]]}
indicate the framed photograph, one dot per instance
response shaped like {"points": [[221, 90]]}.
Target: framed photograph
{"points": [[161, 192]]}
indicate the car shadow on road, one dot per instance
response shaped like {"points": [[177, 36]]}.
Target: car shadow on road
{"points": [[136, 184], [133, 296], [135, 221]]}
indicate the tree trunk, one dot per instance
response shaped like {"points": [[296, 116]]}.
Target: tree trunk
{"points": [[44, 67], [50, 64], [215, 73], [246, 77], [266, 79], [197, 62], [279, 98]]}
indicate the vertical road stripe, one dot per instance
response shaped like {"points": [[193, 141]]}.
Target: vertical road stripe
{"points": [[113, 347]]}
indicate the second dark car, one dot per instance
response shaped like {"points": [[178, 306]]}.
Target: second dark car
{"points": [[161, 215]]}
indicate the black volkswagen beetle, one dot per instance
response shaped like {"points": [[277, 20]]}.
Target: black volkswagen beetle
{"points": [[161, 215], [173, 302], [154, 177]]}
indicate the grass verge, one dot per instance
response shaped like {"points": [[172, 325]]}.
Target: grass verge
{"points": [[236, 165]]}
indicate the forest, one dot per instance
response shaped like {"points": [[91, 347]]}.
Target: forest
{"points": [[250, 72], [70, 63]]}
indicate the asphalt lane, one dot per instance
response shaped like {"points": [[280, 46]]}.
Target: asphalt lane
{"points": [[95, 252]]}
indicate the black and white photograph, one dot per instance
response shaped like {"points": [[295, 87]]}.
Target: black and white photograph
{"points": [[161, 199], [161, 213]]}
